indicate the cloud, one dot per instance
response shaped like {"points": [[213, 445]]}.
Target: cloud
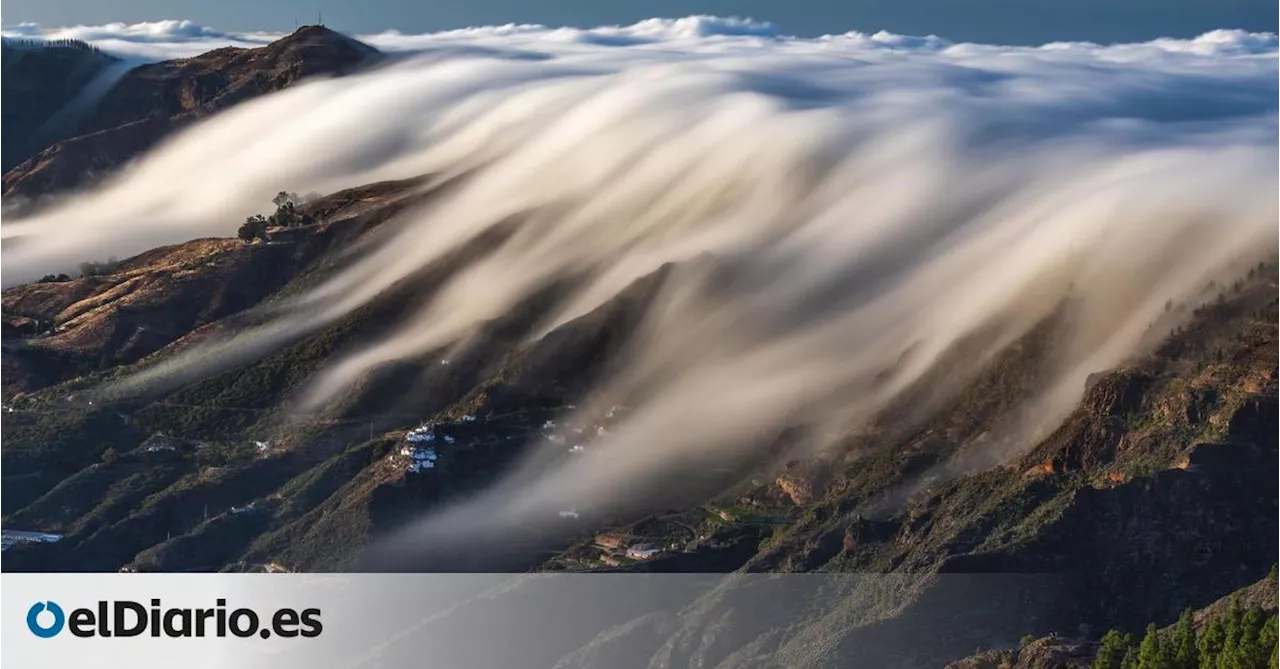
{"points": [[156, 40], [151, 40], [842, 212]]}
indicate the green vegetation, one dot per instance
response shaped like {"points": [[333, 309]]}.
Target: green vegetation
{"points": [[1238, 639], [255, 227], [288, 214], [66, 43], [90, 268]]}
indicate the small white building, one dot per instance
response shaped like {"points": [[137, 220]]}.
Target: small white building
{"points": [[571, 513], [421, 435], [420, 457], [468, 418], [642, 552], [549, 425], [577, 448]]}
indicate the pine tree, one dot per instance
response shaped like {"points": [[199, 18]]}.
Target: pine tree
{"points": [[1149, 654], [1269, 637], [1228, 658], [1111, 651], [1231, 633], [1210, 644], [1184, 643], [1250, 653], [1130, 660]]}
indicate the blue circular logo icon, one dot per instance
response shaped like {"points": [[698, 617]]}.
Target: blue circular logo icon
{"points": [[45, 631]]}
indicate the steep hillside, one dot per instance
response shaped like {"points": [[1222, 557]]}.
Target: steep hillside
{"points": [[48, 88], [1060, 652], [94, 470], [1158, 493], [150, 101]]}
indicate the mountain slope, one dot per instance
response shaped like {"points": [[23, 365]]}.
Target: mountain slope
{"points": [[41, 83], [151, 101]]}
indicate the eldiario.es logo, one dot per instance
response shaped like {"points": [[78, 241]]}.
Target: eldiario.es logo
{"points": [[123, 618]]}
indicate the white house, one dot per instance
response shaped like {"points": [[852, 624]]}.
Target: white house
{"points": [[421, 434], [419, 465], [642, 552], [420, 457]]}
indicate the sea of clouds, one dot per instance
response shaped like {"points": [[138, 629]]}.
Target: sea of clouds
{"points": [[160, 40], [845, 209]]}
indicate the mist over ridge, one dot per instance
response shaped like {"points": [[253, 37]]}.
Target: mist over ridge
{"points": [[839, 212]]}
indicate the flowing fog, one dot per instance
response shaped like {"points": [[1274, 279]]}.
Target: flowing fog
{"points": [[841, 212]]}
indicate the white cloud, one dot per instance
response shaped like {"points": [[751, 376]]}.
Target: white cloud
{"points": [[837, 204], [181, 38]]}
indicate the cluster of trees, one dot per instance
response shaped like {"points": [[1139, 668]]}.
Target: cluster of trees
{"points": [[28, 43], [89, 268], [288, 214], [1236, 640]]}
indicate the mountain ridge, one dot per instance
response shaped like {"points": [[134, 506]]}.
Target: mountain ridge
{"points": [[152, 101]]}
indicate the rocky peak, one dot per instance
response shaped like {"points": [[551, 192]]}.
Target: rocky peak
{"points": [[321, 38]]}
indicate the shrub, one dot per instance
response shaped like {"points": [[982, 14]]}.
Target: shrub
{"points": [[287, 210], [255, 227]]}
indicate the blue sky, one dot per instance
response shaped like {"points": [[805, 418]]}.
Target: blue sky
{"points": [[1003, 21]]}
